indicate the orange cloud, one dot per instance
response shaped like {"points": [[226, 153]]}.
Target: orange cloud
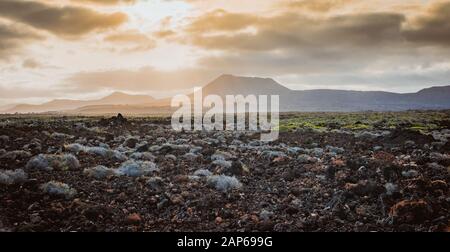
{"points": [[290, 30], [133, 40], [291, 42], [228, 31], [433, 27], [221, 20], [67, 21], [13, 38], [106, 2], [317, 5], [31, 63], [166, 33]]}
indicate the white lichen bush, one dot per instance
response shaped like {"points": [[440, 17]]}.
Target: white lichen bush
{"points": [[134, 168], [99, 172], [48, 162], [39, 162], [9, 177], [75, 148], [202, 173], [147, 156], [222, 163], [58, 188], [103, 151], [223, 183], [67, 162]]}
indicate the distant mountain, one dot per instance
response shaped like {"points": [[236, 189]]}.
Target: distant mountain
{"points": [[330, 100], [123, 98], [290, 100], [7, 106], [140, 109], [232, 85], [433, 94], [116, 98]]}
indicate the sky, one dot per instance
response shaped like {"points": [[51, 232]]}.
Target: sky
{"points": [[85, 49]]}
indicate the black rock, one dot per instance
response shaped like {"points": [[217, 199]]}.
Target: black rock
{"points": [[237, 168], [114, 121], [142, 148], [131, 142], [330, 172]]}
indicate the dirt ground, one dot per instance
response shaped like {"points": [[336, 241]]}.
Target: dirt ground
{"points": [[137, 174]]}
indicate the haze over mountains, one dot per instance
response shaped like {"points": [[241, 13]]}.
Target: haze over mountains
{"points": [[290, 100], [116, 98]]}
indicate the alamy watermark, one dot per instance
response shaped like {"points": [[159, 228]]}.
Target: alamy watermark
{"points": [[238, 112]]}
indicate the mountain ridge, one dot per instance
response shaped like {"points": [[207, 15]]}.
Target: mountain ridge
{"points": [[436, 97], [70, 104]]}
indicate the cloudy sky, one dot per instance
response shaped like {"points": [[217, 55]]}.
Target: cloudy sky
{"points": [[88, 48]]}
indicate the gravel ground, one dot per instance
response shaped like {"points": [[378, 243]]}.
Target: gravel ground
{"points": [[136, 174]]}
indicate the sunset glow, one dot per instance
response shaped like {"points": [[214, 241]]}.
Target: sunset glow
{"points": [[396, 46]]}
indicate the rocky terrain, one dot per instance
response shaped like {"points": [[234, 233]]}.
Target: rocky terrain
{"points": [[137, 174]]}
